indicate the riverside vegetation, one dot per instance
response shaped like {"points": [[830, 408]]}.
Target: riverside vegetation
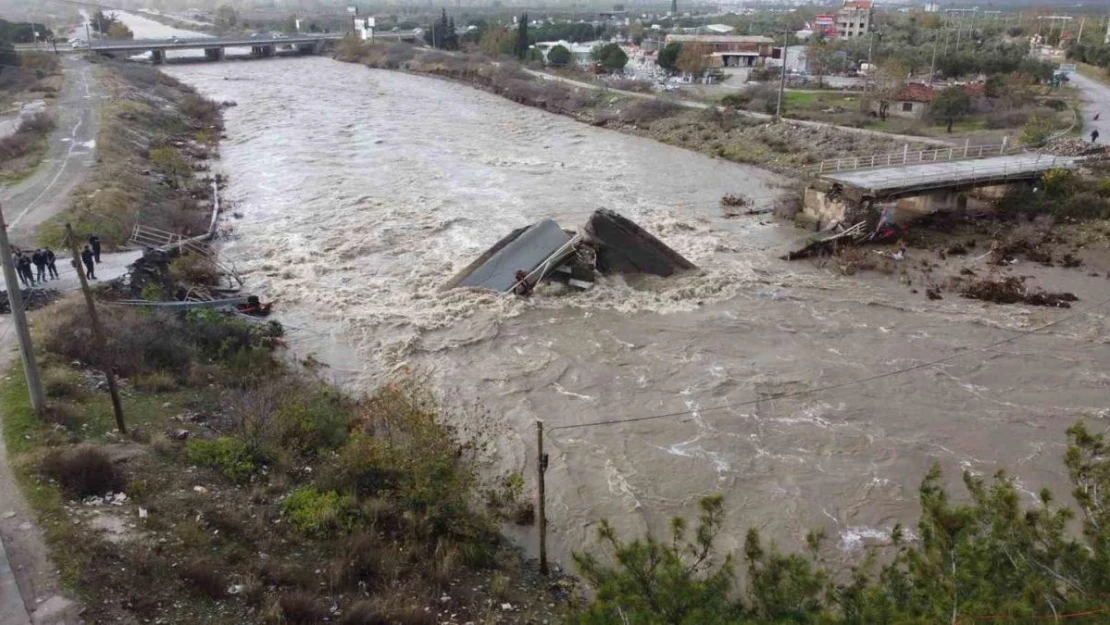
{"points": [[155, 134], [32, 76], [723, 133]]}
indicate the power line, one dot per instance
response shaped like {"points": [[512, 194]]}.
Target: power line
{"points": [[830, 387]]}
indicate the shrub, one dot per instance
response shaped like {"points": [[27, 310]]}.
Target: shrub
{"points": [[314, 419], [643, 112], [194, 269], [63, 383], [317, 513], [737, 100], [1036, 130], [230, 456], [157, 382], [83, 472], [358, 561], [1007, 119], [300, 608], [201, 577]]}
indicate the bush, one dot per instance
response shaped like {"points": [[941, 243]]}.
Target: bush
{"points": [[737, 100], [63, 383], [194, 269], [83, 472], [313, 419], [204, 579], [317, 513], [644, 112], [157, 382], [230, 456], [1007, 119], [300, 608]]}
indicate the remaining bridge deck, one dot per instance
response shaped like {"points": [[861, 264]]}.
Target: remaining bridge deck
{"points": [[908, 179]]}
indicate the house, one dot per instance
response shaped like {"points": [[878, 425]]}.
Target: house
{"points": [[854, 19], [824, 23], [719, 29], [731, 50], [915, 100]]}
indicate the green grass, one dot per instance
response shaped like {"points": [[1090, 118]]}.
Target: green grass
{"points": [[1094, 73]]}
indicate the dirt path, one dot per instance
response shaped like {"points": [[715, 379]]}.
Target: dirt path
{"points": [[1096, 99]]}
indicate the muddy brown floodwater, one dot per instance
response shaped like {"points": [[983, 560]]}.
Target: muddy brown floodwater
{"points": [[362, 191]]}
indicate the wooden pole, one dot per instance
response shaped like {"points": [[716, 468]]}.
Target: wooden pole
{"points": [[541, 514], [19, 318], [98, 333]]}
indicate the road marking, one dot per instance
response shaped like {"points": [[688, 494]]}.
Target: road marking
{"points": [[61, 169]]}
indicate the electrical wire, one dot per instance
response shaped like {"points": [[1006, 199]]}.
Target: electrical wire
{"points": [[840, 385]]}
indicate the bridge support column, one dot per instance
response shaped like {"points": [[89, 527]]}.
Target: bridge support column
{"points": [[157, 56], [214, 54]]}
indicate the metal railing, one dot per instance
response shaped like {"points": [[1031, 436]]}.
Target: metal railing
{"points": [[970, 174], [548, 265], [146, 236], [906, 156]]}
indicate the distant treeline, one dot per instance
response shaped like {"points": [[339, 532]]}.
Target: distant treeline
{"points": [[22, 32]]}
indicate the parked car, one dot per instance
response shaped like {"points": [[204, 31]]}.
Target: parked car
{"points": [[78, 43]]}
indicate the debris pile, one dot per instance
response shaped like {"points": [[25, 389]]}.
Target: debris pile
{"points": [[1070, 146], [1012, 290], [32, 299], [608, 243]]}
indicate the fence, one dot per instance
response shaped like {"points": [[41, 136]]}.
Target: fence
{"points": [[906, 156]]}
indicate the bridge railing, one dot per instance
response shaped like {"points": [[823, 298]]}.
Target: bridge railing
{"points": [[906, 156], [972, 174]]}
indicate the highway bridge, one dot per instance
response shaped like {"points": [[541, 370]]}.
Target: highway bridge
{"points": [[215, 48]]}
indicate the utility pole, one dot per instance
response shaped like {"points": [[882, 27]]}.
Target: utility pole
{"points": [[541, 510], [1079, 38], [933, 63], [782, 76], [98, 332], [19, 318]]}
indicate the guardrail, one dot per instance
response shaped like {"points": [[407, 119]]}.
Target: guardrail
{"points": [[906, 156]]}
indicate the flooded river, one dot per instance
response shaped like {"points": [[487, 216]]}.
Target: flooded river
{"points": [[361, 191]]}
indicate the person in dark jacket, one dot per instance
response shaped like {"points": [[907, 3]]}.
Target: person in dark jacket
{"points": [[39, 259], [51, 263], [94, 242], [17, 261], [87, 258], [23, 265]]}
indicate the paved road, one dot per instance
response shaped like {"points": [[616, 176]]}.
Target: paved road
{"points": [[45, 193], [1096, 98], [763, 116]]}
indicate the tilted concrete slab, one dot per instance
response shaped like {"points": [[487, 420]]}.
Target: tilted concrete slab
{"points": [[903, 179], [524, 252]]}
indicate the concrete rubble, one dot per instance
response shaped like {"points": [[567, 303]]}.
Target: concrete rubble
{"points": [[607, 243]]}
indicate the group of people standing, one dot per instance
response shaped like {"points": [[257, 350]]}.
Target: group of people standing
{"points": [[43, 262], [40, 265]]}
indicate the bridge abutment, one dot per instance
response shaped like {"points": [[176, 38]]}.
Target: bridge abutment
{"points": [[157, 56], [215, 54]]}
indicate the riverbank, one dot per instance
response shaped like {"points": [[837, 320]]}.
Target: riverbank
{"points": [[28, 92], [246, 491], [156, 136], [730, 135]]}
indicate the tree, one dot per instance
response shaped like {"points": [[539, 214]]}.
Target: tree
{"points": [[559, 56], [100, 21], [226, 16], [8, 56], [119, 30], [675, 581], [610, 56], [950, 103], [442, 34], [522, 37], [889, 78], [668, 56], [819, 60], [693, 59], [994, 559], [289, 25], [496, 42]]}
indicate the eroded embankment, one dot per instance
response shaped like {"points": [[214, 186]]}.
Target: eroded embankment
{"points": [[726, 134]]}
